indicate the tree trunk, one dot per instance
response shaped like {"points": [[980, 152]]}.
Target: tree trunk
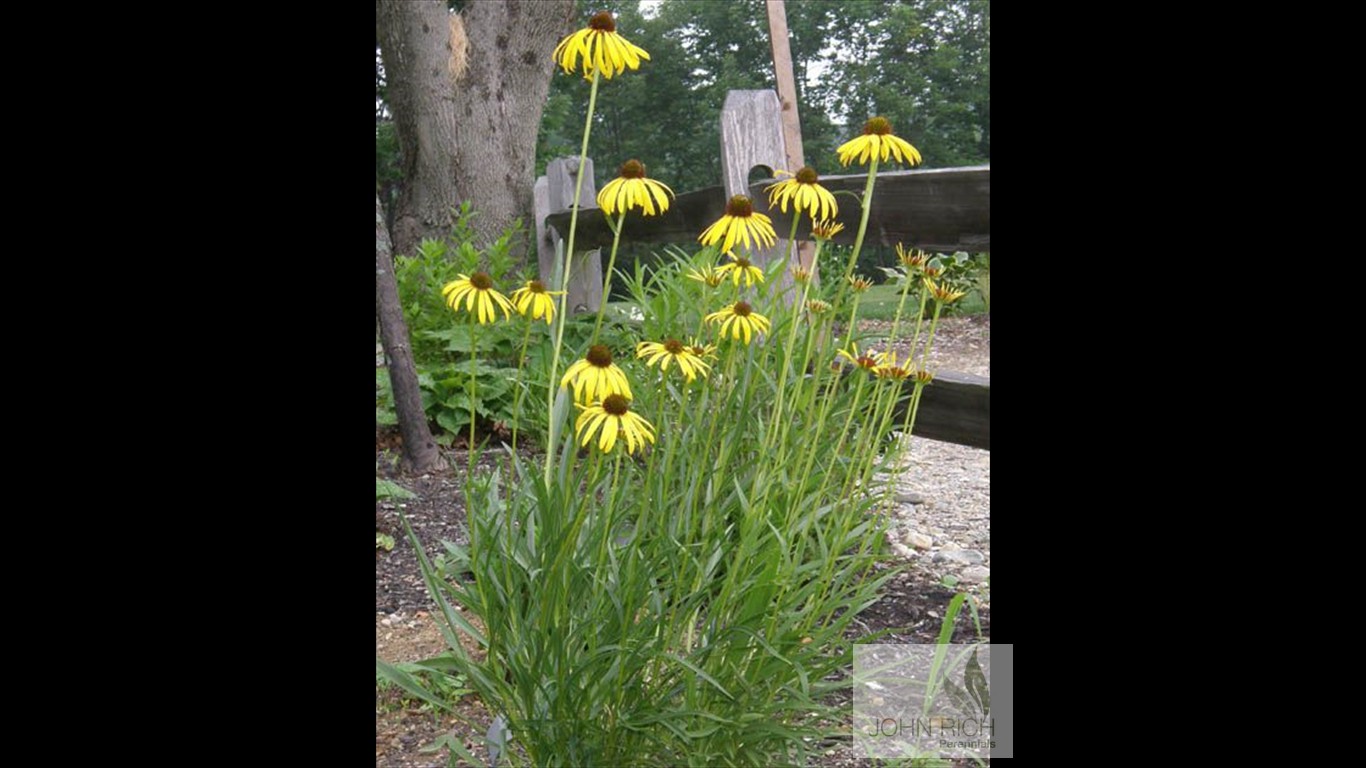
{"points": [[419, 449], [498, 105], [415, 42]]}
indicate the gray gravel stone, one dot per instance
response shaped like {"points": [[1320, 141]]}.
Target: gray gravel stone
{"points": [[976, 574], [962, 556]]}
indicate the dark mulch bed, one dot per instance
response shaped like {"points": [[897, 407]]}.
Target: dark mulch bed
{"points": [[912, 605]]}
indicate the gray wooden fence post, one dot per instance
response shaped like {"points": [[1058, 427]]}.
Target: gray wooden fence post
{"points": [[752, 134], [554, 193]]}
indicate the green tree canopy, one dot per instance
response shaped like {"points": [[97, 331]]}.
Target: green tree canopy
{"points": [[923, 64]]}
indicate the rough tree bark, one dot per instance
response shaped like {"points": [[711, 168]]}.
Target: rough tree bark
{"points": [[415, 43], [419, 449], [499, 102], [473, 139]]}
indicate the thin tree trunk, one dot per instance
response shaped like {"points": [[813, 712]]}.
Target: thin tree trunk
{"points": [[419, 449], [499, 102], [415, 42]]}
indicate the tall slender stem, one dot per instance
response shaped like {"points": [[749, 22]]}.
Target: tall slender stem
{"points": [[564, 282], [896, 323], [607, 278], [517, 402], [474, 356], [862, 226]]}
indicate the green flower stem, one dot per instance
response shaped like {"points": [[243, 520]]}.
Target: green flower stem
{"points": [[607, 278], [474, 357], [702, 316], [569, 542], [844, 522], [608, 515], [844, 433], [862, 226], [806, 287], [853, 318], [550, 447], [867, 444], [792, 240], [934, 323], [813, 446], [909, 421], [924, 360], [919, 318], [717, 415], [787, 361], [517, 401], [905, 289]]}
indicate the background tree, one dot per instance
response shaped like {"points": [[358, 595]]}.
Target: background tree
{"points": [[465, 133], [499, 103], [415, 38]]}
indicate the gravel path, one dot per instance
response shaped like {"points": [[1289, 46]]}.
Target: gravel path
{"points": [[944, 490]]}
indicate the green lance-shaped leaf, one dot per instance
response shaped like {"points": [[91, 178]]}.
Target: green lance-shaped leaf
{"points": [[958, 695], [976, 681]]}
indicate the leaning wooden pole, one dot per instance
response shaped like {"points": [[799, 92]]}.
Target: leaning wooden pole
{"points": [[419, 449], [787, 96]]}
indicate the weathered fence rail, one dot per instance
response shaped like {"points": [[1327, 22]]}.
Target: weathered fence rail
{"points": [[942, 209]]}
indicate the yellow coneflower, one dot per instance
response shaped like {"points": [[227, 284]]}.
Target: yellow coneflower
{"points": [[877, 139], [631, 189], [709, 275], [609, 419], [739, 318], [923, 376], [804, 193], [942, 291], [602, 49], [741, 267], [596, 376], [891, 370], [801, 274], [911, 258], [534, 300], [932, 271], [817, 307], [859, 283], [740, 224], [476, 290], [825, 230], [673, 350], [868, 360], [703, 350]]}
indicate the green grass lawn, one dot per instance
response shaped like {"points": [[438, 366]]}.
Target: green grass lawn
{"points": [[879, 303]]}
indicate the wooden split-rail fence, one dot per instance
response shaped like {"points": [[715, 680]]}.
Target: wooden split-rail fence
{"points": [[939, 210]]}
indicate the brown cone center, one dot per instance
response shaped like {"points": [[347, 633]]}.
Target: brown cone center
{"points": [[617, 405], [878, 125], [739, 206], [600, 356], [742, 309], [674, 346], [536, 286], [481, 281], [742, 262], [807, 175], [632, 169], [603, 22]]}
